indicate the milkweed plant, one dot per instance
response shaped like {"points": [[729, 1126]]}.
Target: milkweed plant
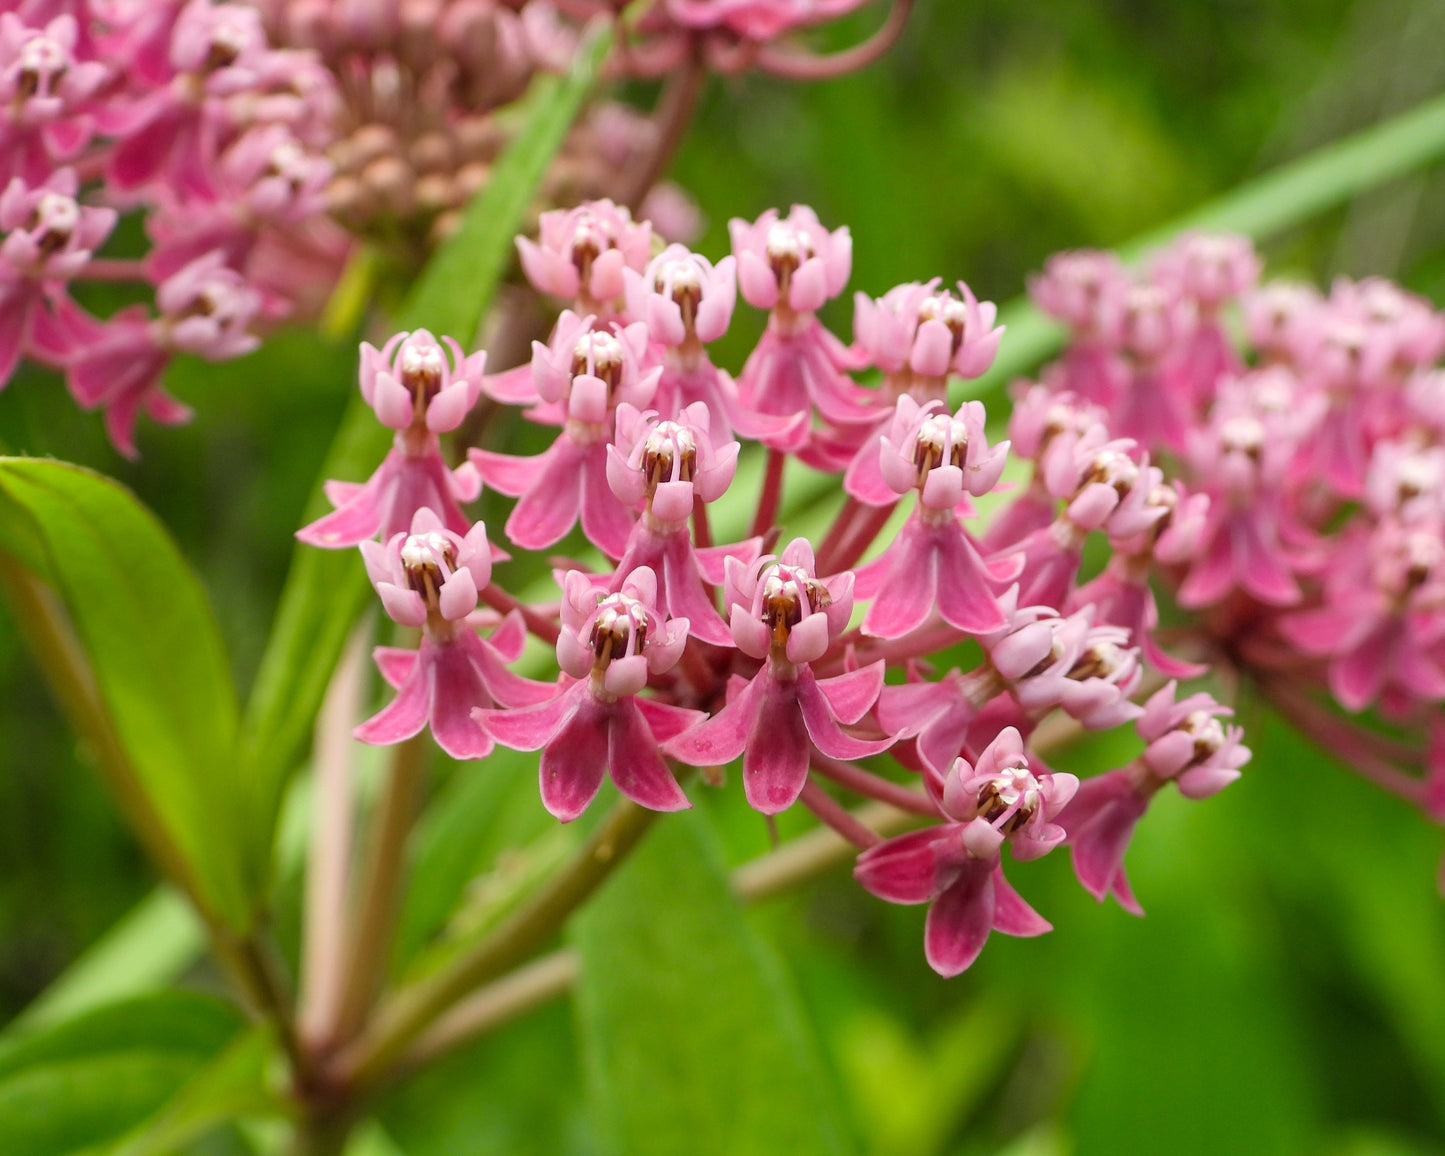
{"points": [[1222, 482]]}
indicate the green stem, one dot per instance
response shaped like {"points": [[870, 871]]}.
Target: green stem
{"points": [[402, 1019]]}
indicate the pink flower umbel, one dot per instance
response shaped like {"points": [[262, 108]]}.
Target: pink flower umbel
{"points": [[957, 867], [934, 564], [419, 391], [785, 616], [588, 372], [610, 644], [429, 578], [667, 466]]}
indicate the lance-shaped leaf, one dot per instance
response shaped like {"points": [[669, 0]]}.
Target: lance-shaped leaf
{"points": [[693, 1039], [151, 688]]}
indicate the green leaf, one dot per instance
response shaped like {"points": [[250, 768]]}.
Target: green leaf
{"points": [[151, 945], [159, 666], [692, 1037], [91, 1080], [326, 591], [236, 1083]]}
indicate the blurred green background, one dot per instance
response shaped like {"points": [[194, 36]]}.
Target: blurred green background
{"points": [[1286, 992]]}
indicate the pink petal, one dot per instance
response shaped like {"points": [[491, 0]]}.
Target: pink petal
{"points": [[1011, 915], [775, 763], [908, 869], [404, 716], [823, 728], [850, 695], [457, 691], [575, 760], [959, 921], [395, 664], [637, 767]]}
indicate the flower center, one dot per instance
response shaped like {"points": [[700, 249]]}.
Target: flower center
{"points": [[428, 560], [54, 221], [669, 455], [788, 594], [599, 355], [421, 368], [941, 440], [950, 310], [1009, 799], [619, 629]]}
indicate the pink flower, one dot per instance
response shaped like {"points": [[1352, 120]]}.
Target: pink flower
{"points": [[429, 578], [49, 238], [930, 333], [1188, 744], [419, 391], [587, 373], [782, 614], [791, 264], [609, 645], [682, 297], [1382, 620], [945, 459], [582, 253], [667, 466], [756, 19], [46, 91], [957, 867], [1100, 820], [206, 309]]}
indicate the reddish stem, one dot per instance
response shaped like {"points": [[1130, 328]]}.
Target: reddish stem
{"points": [[865, 531], [771, 499], [836, 816], [794, 65], [872, 786], [502, 602], [838, 533]]}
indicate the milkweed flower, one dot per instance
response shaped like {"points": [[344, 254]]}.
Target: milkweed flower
{"points": [[419, 387], [428, 577], [610, 644], [956, 867]]}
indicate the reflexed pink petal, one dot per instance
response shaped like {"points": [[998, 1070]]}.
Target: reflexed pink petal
{"points": [[850, 695], [637, 767], [775, 763], [395, 663], [457, 691], [529, 728], [823, 728], [1011, 914], [959, 920], [575, 760], [909, 869], [722, 738], [405, 715]]}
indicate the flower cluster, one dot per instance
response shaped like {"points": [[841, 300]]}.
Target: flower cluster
{"points": [[1307, 530], [674, 648], [182, 109]]}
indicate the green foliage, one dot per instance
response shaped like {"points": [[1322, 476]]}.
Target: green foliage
{"points": [[692, 1037], [91, 1080], [156, 655]]}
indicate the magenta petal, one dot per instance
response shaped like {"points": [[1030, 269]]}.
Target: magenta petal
{"points": [[505, 473], [665, 721], [906, 603], [908, 869], [959, 920], [775, 763], [1011, 914], [1358, 677], [850, 695], [722, 738], [359, 517], [457, 691], [529, 728], [575, 760], [549, 509], [965, 592], [395, 663], [405, 715], [823, 728], [636, 765]]}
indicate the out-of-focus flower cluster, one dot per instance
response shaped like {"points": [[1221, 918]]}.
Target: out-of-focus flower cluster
{"points": [[258, 138], [1310, 462], [947, 647], [185, 111]]}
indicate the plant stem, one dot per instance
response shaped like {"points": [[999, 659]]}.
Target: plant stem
{"points": [[771, 498], [369, 950], [872, 786], [502, 602], [837, 816], [402, 1019], [674, 114], [323, 955]]}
